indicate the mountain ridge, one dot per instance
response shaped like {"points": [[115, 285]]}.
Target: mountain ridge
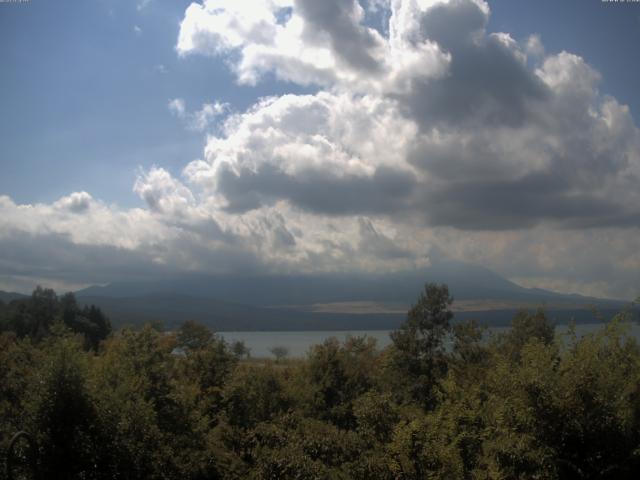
{"points": [[465, 281], [332, 301], [329, 301]]}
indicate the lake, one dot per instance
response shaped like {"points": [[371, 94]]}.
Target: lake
{"points": [[299, 343]]}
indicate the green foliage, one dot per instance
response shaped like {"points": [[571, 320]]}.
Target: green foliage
{"points": [[525, 327], [442, 402], [193, 336], [207, 364], [63, 413], [376, 416], [19, 363], [419, 358], [304, 448], [337, 375], [279, 352], [240, 350], [254, 394], [34, 317]]}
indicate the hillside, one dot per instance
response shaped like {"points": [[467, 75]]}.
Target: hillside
{"points": [[330, 301], [7, 297]]}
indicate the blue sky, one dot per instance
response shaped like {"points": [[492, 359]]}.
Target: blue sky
{"points": [[85, 96], [605, 34], [139, 137]]}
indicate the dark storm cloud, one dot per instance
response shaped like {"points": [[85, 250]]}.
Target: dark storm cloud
{"points": [[351, 42], [56, 256], [502, 141], [476, 187], [516, 145], [387, 191], [486, 83], [521, 203]]}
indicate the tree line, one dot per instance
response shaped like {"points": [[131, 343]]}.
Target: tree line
{"points": [[444, 400]]}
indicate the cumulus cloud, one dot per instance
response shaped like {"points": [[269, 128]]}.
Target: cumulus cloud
{"points": [[306, 42], [338, 23], [430, 134], [177, 107], [161, 192], [534, 46], [198, 120], [77, 202], [323, 153]]}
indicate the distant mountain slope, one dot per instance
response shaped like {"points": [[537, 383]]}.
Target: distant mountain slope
{"points": [[466, 282], [329, 301], [172, 310], [6, 297]]}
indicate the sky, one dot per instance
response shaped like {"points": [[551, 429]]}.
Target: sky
{"points": [[141, 138]]}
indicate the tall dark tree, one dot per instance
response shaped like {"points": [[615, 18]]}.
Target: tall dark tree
{"points": [[419, 350], [193, 336], [90, 321], [338, 374], [525, 327], [63, 413], [43, 309]]}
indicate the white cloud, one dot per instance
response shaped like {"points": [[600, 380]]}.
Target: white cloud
{"points": [[199, 120], [77, 202], [163, 193], [323, 43], [534, 46], [142, 4], [177, 107], [438, 136]]}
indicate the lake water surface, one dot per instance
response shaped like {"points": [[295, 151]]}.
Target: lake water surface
{"points": [[299, 343]]}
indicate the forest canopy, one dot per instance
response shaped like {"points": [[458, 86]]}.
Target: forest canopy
{"points": [[444, 400]]}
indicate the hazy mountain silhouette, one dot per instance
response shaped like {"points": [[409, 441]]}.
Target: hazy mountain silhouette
{"points": [[288, 302], [7, 297]]}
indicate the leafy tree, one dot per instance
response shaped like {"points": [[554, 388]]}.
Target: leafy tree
{"points": [[240, 350], [154, 408], [19, 318], [470, 355], [337, 375], [206, 363], [279, 352], [43, 308], [193, 336], [35, 317], [376, 415], [3, 317], [63, 413], [420, 450], [252, 395], [19, 365], [525, 327], [99, 325], [296, 447], [419, 355], [440, 402], [89, 321]]}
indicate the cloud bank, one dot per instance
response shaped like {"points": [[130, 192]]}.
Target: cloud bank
{"points": [[429, 132]]}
